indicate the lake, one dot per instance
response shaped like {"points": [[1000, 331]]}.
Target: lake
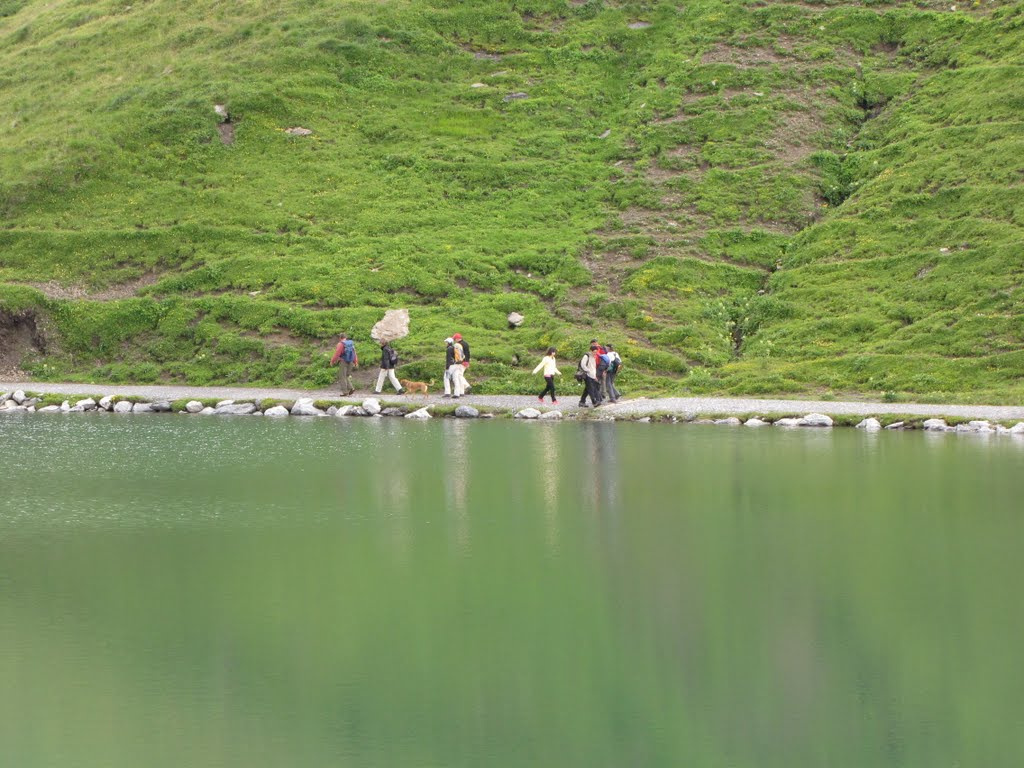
{"points": [[191, 591]]}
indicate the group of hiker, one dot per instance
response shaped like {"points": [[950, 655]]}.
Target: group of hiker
{"points": [[597, 370]]}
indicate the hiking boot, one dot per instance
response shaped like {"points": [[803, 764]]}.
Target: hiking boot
{"points": [[400, 392], [446, 395]]}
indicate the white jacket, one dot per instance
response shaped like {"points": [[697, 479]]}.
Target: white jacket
{"points": [[548, 365], [589, 365]]}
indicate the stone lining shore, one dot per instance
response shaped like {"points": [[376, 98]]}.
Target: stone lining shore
{"points": [[32, 402]]}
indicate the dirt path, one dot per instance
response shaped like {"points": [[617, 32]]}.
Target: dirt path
{"points": [[625, 408]]}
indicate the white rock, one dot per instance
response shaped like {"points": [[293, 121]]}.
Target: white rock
{"points": [[528, 413], [732, 421], [1017, 429], [816, 420], [235, 409], [8, 404], [18, 397], [222, 403], [394, 325], [88, 404], [65, 406], [50, 409], [371, 406], [343, 411], [551, 416], [935, 425], [142, 408], [422, 413], [122, 406], [466, 412], [870, 424], [162, 406], [277, 411], [755, 422], [220, 110], [895, 425], [193, 406], [478, 85], [787, 422], [107, 403], [298, 131], [981, 426], [332, 410], [208, 411], [647, 420], [515, 319], [305, 407]]}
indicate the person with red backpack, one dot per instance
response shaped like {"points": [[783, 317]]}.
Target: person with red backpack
{"points": [[345, 355]]}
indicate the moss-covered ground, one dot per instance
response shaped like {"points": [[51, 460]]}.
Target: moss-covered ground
{"points": [[744, 196]]}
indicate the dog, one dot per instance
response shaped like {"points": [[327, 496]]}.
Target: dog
{"points": [[413, 387]]}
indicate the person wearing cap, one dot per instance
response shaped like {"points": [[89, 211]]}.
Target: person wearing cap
{"points": [[449, 361], [591, 386], [456, 368], [388, 361], [457, 337]]}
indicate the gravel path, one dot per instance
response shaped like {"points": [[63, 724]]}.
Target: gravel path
{"points": [[624, 408]]}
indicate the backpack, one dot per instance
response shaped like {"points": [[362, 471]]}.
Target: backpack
{"points": [[580, 374], [616, 361], [460, 355], [392, 357], [349, 353], [605, 360]]}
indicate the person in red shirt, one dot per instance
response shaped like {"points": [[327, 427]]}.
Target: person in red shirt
{"points": [[345, 355]]}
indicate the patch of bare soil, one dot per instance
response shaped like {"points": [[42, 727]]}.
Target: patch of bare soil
{"points": [[20, 335], [54, 290], [227, 132]]}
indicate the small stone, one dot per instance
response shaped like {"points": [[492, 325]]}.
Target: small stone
{"points": [[816, 420], [88, 404], [107, 403], [551, 416], [194, 406], [392, 412], [222, 403], [528, 413], [516, 96], [343, 411], [515, 319], [644, 420], [332, 410], [422, 413], [870, 424], [606, 134], [162, 406], [478, 85], [639, 24], [371, 406], [305, 407], [356, 410], [122, 406], [276, 411], [208, 411], [787, 422], [935, 425], [298, 131], [49, 409], [466, 412], [755, 422], [895, 425], [703, 421], [732, 421]]}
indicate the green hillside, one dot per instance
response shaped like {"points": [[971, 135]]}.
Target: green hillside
{"points": [[744, 196]]}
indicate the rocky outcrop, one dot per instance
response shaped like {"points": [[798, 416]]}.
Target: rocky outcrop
{"points": [[394, 325]]}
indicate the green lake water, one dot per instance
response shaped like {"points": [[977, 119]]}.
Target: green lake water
{"points": [[188, 591]]}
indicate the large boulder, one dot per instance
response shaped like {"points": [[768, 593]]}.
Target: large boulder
{"points": [[755, 422], [1017, 429], [235, 409], [551, 416], [18, 397], [304, 407], [515, 319], [123, 406], [162, 406], [142, 408], [394, 325], [371, 406], [787, 422], [935, 425], [422, 413], [49, 409], [107, 403], [816, 420], [277, 410], [528, 413], [193, 406], [870, 424], [466, 412], [732, 421]]}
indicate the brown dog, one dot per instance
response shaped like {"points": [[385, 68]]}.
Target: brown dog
{"points": [[414, 386]]}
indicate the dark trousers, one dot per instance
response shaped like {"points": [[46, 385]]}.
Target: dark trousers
{"points": [[549, 389], [591, 389], [609, 384]]}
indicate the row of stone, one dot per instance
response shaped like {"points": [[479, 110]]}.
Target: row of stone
{"points": [[940, 425]]}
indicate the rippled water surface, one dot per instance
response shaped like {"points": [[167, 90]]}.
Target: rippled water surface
{"points": [[180, 591]]}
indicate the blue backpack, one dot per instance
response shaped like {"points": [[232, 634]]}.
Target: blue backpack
{"points": [[349, 354]]}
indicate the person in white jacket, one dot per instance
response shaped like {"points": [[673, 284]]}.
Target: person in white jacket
{"points": [[550, 370]]}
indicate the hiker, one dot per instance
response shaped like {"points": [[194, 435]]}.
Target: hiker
{"points": [[457, 337], [455, 358], [449, 361], [346, 358], [587, 367], [388, 363], [548, 367], [614, 364]]}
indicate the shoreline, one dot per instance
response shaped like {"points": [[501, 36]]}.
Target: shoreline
{"points": [[756, 411]]}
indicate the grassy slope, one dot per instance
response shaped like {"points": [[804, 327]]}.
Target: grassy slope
{"points": [[767, 213]]}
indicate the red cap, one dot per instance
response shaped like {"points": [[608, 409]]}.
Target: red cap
{"points": [[457, 336]]}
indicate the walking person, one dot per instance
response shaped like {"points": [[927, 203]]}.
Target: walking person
{"points": [[456, 368], [449, 361], [588, 367], [388, 363], [457, 338], [548, 367], [614, 364], [346, 358]]}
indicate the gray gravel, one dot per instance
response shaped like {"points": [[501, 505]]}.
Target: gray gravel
{"points": [[689, 406]]}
